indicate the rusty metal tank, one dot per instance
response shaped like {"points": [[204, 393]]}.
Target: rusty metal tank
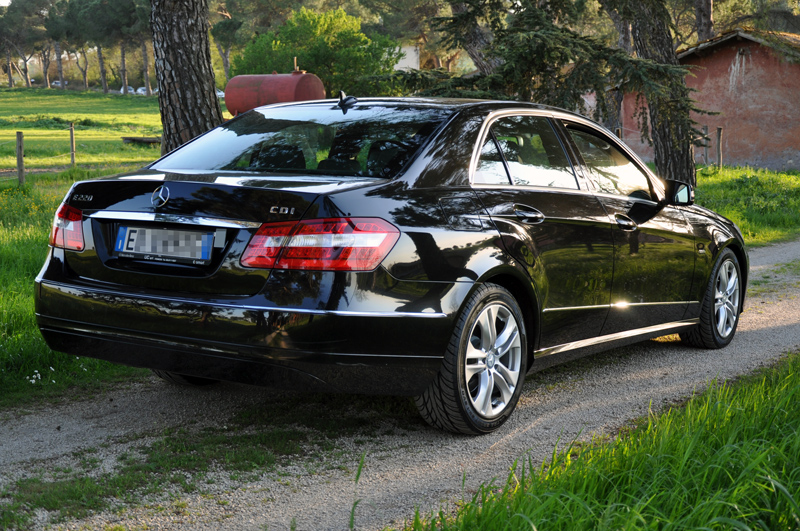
{"points": [[243, 93]]}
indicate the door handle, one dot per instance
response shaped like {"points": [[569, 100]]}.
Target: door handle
{"points": [[625, 223], [529, 215]]}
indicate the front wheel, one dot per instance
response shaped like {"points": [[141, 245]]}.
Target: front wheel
{"points": [[483, 370], [719, 314]]}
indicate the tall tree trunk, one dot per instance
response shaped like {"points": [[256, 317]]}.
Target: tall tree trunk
{"points": [[44, 57], [22, 73], [146, 68], [84, 69], [450, 61], [225, 55], [614, 96], [669, 110], [59, 66], [703, 10], [476, 41], [26, 75], [123, 72], [103, 73], [187, 92], [10, 73]]}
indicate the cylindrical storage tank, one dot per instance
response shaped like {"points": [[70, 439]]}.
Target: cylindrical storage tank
{"points": [[243, 93]]}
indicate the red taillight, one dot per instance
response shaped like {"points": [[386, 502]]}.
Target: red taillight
{"points": [[67, 231], [337, 244], [263, 249]]}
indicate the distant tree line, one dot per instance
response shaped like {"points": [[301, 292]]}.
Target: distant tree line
{"points": [[450, 35], [551, 51]]}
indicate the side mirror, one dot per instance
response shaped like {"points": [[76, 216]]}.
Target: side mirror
{"points": [[678, 193]]}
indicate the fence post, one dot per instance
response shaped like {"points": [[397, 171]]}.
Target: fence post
{"points": [[618, 132], [20, 162], [719, 147], [705, 144], [72, 143]]}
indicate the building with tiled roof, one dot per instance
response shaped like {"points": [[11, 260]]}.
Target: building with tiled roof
{"points": [[750, 79]]}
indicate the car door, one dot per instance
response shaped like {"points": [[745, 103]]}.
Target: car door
{"points": [[654, 255], [556, 229]]}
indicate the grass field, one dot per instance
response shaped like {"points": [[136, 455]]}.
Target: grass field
{"points": [[764, 204], [100, 121], [29, 370]]}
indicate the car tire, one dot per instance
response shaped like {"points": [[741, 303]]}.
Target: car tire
{"points": [[182, 379], [719, 313], [480, 380]]}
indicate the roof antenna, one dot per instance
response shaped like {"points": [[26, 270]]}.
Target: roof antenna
{"points": [[345, 101]]}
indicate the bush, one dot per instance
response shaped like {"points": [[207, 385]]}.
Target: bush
{"points": [[329, 45]]}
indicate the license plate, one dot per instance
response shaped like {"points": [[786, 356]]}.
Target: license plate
{"points": [[164, 245]]}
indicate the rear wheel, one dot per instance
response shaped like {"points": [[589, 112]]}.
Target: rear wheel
{"points": [[719, 314], [483, 370], [182, 379]]}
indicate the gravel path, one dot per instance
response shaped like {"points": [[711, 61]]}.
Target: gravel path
{"points": [[422, 468]]}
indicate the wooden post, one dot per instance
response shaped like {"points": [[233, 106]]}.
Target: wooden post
{"points": [[618, 132], [706, 142], [72, 143], [719, 147], [20, 155]]}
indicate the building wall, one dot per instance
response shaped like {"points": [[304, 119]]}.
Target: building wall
{"points": [[757, 96], [411, 59]]}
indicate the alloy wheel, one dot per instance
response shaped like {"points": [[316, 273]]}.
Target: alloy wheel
{"points": [[493, 360], [726, 299]]}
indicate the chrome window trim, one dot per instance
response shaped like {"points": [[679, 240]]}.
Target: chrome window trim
{"points": [[551, 189], [172, 218], [549, 351], [516, 111]]}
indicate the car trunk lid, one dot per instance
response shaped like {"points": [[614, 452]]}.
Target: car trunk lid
{"points": [[184, 232]]}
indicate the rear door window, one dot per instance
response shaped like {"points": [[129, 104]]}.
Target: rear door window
{"points": [[531, 154]]}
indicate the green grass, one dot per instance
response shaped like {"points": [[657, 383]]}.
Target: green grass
{"points": [[44, 115], [730, 459], [29, 370], [100, 120], [764, 204]]}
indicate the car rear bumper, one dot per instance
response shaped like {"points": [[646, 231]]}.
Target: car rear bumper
{"points": [[375, 352]]}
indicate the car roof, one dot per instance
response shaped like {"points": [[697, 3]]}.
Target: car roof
{"points": [[456, 104]]}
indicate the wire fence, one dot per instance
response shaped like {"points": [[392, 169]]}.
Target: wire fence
{"points": [[20, 152]]}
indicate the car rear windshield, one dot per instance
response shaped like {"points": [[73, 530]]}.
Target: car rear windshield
{"points": [[365, 140]]}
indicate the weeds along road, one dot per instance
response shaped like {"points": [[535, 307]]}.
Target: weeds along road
{"points": [[407, 465]]}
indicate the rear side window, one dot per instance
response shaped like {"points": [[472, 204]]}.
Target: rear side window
{"points": [[368, 140], [610, 169], [531, 155], [491, 166]]}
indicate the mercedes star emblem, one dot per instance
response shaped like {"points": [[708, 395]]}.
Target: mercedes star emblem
{"points": [[160, 196]]}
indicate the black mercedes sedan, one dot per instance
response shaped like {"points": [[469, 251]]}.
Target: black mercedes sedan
{"points": [[423, 247]]}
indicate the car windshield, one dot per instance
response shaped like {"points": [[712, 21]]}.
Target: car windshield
{"points": [[375, 140]]}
